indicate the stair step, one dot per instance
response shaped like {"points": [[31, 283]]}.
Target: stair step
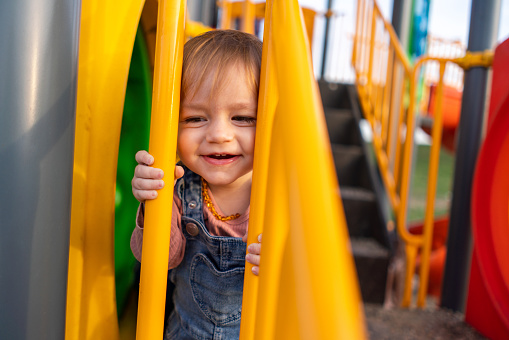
{"points": [[351, 166], [357, 194], [342, 127], [334, 95], [360, 211], [368, 247], [371, 261], [362, 199]]}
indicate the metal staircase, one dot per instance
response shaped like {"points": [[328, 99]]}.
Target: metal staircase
{"points": [[362, 193]]}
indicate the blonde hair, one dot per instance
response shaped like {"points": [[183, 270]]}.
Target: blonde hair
{"points": [[216, 52]]}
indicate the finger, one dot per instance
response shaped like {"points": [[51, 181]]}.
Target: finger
{"points": [[253, 259], [147, 184], [179, 171], [260, 238], [255, 248], [255, 270], [143, 195], [143, 157], [144, 171]]}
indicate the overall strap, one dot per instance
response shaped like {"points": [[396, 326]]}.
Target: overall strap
{"points": [[189, 191]]}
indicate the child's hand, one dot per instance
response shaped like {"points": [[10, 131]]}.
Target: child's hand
{"points": [[253, 255], [147, 180]]}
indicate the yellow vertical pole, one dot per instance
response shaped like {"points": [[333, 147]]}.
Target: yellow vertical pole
{"points": [[226, 14], [267, 101], [309, 20], [365, 40], [372, 41], [308, 288], [248, 17], [411, 244], [107, 33], [436, 136], [398, 129], [386, 93], [389, 96], [356, 37], [163, 142]]}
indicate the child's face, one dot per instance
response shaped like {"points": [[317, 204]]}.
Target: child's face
{"points": [[217, 133]]}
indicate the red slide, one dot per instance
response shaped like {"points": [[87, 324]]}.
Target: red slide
{"points": [[488, 295]]}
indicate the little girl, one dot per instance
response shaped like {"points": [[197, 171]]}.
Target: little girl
{"points": [[219, 95]]}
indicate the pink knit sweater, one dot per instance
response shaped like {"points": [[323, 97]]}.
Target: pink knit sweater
{"points": [[234, 228]]}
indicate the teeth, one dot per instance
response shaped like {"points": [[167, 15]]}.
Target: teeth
{"points": [[221, 155]]}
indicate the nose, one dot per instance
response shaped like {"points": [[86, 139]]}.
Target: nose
{"points": [[220, 131]]}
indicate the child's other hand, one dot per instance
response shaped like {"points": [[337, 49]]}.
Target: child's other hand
{"points": [[253, 255], [147, 180]]}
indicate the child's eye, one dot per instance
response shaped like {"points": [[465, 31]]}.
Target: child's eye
{"points": [[245, 119], [193, 120]]}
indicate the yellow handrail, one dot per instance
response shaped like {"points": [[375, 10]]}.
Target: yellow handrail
{"points": [[163, 142], [387, 85], [307, 284]]}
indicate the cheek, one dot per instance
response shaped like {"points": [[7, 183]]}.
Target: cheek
{"points": [[249, 140], [182, 145]]}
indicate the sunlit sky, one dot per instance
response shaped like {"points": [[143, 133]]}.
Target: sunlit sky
{"points": [[448, 19]]}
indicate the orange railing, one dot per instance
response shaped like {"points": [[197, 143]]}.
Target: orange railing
{"points": [[387, 86]]}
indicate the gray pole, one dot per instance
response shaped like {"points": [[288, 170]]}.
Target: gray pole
{"points": [[483, 30], [401, 15], [326, 40], [38, 73]]}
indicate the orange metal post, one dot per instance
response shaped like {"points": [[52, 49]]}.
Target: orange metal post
{"points": [[267, 101], [163, 141], [248, 17]]}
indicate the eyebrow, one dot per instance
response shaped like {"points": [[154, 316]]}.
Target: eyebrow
{"points": [[234, 106]]}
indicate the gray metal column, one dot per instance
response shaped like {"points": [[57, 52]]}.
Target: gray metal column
{"points": [[204, 11], [38, 73], [326, 40], [483, 31], [401, 16]]}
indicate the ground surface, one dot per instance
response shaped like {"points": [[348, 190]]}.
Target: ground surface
{"points": [[382, 324], [416, 324]]}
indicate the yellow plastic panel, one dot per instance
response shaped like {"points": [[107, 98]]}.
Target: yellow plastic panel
{"points": [[307, 285], [163, 144], [107, 35], [267, 101]]}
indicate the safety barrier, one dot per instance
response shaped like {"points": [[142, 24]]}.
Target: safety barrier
{"points": [[442, 48], [387, 86]]}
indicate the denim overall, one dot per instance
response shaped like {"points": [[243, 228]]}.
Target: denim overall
{"points": [[209, 280]]}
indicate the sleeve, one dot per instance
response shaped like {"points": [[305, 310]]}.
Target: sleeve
{"points": [[177, 238]]}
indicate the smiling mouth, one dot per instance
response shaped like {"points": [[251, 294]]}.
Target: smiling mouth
{"points": [[221, 156]]}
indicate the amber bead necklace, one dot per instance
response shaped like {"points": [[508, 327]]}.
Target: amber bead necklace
{"points": [[210, 206]]}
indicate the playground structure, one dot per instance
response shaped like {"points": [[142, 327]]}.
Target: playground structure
{"points": [[104, 55]]}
